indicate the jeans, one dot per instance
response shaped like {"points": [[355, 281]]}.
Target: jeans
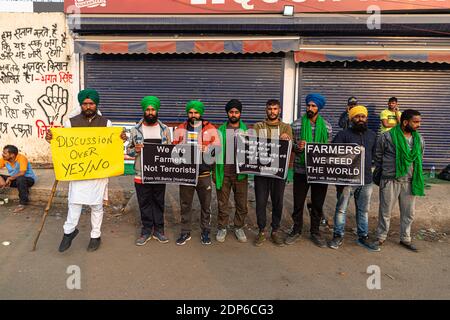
{"points": [[362, 196]]}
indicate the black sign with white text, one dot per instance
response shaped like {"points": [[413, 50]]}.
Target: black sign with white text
{"points": [[335, 163], [263, 157], [167, 163]]}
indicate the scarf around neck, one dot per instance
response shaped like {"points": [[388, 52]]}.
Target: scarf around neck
{"points": [[320, 134], [405, 157]]}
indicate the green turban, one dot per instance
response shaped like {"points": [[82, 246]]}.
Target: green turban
{"points": [[88, 94], [197, 105], [150, 101]]}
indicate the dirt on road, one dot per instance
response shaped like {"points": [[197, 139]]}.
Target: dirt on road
{"points": [[230, 270]]}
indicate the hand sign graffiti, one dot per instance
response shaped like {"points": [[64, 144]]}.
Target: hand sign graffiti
{"points": [[54, 103]]}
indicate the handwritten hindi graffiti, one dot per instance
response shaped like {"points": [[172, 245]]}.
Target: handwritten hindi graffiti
{"points": [[35, 79]]}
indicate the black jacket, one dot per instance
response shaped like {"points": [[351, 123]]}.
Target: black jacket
{"points": [[366, 139]]}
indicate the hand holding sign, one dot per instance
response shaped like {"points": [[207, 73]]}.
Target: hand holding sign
{"points": [[302, 145], [138, 147]]}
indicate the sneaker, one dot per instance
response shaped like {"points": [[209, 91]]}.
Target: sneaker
{"points": [[260, 238], [205, 237], [240, 235], [221, 235], [160, 237], [94, 244], [318, 240], [143, 239], [292, 238], [67, 240], [183, 238], [409, 246], [336, 242], [277, 238], [324, 222], [364, 242]]}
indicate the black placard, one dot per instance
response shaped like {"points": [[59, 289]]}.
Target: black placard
{"points": [[167, 163], [335, 163], [262, 156]]}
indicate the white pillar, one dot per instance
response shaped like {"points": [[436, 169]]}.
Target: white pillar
{"points": [[290, 84]]}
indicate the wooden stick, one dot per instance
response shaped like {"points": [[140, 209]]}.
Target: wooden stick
{"points": [[47, 208]]}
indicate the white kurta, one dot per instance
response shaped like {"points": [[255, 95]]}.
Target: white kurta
{"points": [[88, 192]]}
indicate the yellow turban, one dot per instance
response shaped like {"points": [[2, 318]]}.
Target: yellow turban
{"points": [[357, 110]]}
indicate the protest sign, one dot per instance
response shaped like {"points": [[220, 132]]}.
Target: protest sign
{"points": [[262, 156], [167, 163], [335, 163], [87, 153]]}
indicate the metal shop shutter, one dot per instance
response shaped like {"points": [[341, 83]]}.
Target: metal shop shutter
{"points": [[426, 90], [122, 81]]}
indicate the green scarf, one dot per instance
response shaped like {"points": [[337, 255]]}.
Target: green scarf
{"points": [[219, 172], [405, 157], [320, 135]]}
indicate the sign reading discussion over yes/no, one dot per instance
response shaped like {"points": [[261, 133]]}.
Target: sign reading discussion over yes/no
{"points": [[335, 163], [168, 163], [262, 157], [87, 153]]}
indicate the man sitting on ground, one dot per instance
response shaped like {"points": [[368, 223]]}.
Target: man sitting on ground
{"points": [[20, 175]]}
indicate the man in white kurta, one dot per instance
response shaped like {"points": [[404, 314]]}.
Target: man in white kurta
{"points": [[85, 192]]}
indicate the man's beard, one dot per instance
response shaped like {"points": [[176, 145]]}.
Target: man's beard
{"points": [[409, 129], [150, 119], [310, 114], [89, 113], [234, 120], [193, 120], [272, 117], [359, 126]]}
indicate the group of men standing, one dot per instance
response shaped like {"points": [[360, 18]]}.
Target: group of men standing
{"points": [[397, 155]]}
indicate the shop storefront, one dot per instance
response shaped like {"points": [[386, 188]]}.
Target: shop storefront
{"points": [[255, 50]]}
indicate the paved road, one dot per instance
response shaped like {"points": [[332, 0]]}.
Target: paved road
{"points": [[120, 270]]}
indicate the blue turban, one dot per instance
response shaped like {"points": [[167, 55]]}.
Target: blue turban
{"points": [[317, 98]]}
